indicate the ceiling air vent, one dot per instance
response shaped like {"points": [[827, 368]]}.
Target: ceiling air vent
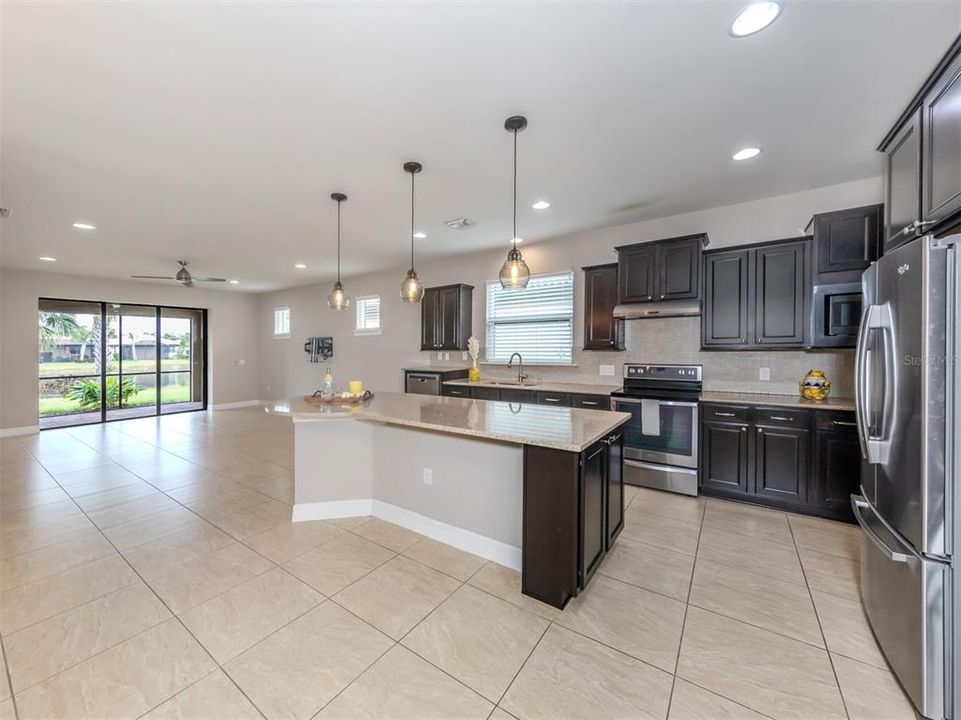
{"points": [[459, 223]]}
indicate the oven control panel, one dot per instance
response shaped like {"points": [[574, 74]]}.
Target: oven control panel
{"points": [[663, 372]]}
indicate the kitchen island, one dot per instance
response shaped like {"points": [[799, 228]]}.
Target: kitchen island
{"points": [[535, 488]]}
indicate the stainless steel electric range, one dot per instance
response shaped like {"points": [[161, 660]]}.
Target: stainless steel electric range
{"points": [[660, 439]]}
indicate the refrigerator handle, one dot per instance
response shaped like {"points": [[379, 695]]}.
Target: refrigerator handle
{"points": [[860, 383], [858, 502]]}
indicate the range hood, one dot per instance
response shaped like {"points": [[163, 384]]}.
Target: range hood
{"points": [[664, 308]]}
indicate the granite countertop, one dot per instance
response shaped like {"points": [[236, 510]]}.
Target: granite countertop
{"points": [[546, 386], [560, 428], [795, 401], [434, 368]]}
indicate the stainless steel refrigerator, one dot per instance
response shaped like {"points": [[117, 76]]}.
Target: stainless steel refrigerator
{"points": [[907, 398]]}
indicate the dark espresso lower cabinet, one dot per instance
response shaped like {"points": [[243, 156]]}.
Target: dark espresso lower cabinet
{"points": [[789, 458], [573, 512]]}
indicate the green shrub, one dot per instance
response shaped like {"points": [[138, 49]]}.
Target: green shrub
{"points": [[86, 392]]}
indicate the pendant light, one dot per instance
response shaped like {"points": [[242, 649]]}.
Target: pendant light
{"points": [[411, 289], [514, 273], [338, 298]]}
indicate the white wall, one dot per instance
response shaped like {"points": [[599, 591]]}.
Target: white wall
{"points": [[231, 319], [284, 370]]}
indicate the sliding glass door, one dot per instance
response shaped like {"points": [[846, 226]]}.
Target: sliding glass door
{"points": [[112, 361]]}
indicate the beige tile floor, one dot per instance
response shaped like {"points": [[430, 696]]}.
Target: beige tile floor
{"points": [[148, 568]]}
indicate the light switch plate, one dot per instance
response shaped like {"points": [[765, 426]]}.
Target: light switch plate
{"points": [[607, 370], [764, 373]]}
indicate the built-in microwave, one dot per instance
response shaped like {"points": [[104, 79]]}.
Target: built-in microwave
{"points": [[835, 315]]}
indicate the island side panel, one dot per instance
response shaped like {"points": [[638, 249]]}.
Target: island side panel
{"points": [[333, 468], [551, 524], [476, 486]]}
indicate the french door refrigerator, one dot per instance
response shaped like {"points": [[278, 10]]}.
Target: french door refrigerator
{"points": [[907, 401]]}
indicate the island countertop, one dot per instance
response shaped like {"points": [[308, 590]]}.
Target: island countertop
{"points": [[561, 428]]}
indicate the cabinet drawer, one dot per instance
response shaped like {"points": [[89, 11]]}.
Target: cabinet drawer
{"points": [[485, 393], [592, 402], [456, 391], [551, 398], [782, 417], [517, 396], [839, 421], [726, 413]]}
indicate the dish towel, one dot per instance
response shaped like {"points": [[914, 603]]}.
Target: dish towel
{"points": [[650, 417]]}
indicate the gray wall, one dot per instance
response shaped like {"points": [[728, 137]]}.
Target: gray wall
{"points": [[378, 359], [232, 333]]}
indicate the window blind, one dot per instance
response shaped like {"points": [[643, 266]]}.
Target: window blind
{"points": [[537, 322], [368, 313], [282, 321]]}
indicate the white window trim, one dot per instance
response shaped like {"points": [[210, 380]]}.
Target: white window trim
{"points": [[274, 321], [484, 359], [365, 331]]}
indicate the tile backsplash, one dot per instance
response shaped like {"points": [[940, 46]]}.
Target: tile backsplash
{"points": [[678, 340]]}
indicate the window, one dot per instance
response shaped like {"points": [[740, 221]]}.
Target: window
{"points": [[282, 322], [368, 315], [537, 322]]}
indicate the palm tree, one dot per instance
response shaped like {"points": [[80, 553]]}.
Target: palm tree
{"points": [[55, 325]]}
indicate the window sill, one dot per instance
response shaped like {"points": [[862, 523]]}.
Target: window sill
{"points": [[282, 337], [367, 332], [526, 364]]}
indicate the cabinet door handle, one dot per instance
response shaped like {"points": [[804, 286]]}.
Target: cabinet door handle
{"points": [[760, 431], [718, 413], [551, 399], [589, 402], [844, 422], [782, 418], [744, 428]]}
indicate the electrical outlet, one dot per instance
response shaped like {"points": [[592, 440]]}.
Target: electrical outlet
{"points": [[463, 356], [428, 476], [242, 362], [447, 356], [764, 373], [606, 370], [440, 356]]}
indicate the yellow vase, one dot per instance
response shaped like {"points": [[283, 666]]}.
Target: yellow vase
{"points": [[815, 386], [473, 375]]}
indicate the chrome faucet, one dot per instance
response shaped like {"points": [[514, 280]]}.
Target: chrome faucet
{"points": [[521, 376]]}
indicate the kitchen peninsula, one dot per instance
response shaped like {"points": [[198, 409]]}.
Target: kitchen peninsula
{"points": [[535, 488]]}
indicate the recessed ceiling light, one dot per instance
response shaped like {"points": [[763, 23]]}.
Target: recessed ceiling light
{"points": [[47, 258], [746, 153], [234, 282], [541, 205], [755, 17], [84, 226], [300, 266], [420, 236]]}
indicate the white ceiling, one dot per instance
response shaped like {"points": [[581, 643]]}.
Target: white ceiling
{"points": [[217, 131]]}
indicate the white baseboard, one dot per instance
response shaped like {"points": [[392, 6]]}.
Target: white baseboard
{"points": [[234, 405], [494, 550], [18, 431], [330, 510]]}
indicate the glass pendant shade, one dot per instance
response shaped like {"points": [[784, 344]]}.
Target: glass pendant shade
{"points": [[411, 289], [514, 273], [338, 298]]}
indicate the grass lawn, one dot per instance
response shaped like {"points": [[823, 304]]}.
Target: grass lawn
{"points": [[53, 369], [146, 396]]}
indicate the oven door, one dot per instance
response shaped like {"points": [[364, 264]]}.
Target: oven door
{"points": [[672, 442]]}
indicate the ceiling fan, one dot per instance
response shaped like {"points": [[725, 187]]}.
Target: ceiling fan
{"points": [[183, 276]]}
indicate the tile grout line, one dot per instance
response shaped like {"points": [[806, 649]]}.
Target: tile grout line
{"points": [[159, 599], [817, 617], [6, 667]]}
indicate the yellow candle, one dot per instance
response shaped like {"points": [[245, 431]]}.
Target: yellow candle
{"points": [[355, 387]]}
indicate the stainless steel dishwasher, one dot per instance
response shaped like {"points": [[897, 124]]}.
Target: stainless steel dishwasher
{"points": [[423, 383]]}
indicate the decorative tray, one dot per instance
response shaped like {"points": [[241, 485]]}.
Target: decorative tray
{"points": [[318, 399]]}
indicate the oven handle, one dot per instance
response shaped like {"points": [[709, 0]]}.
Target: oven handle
{"points": [[637, 401], [662, 468]]}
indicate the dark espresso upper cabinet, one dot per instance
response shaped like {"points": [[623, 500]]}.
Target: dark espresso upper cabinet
{"points": [[602, 331], [780, 294], [668, 269], [757, 296], [445, 317], [636, 271], [941, 143], [902, 184], [846, 242], [725, 319], [922, 158]]}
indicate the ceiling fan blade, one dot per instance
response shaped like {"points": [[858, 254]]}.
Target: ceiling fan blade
{"points": [[153, 277], [205, 279]]}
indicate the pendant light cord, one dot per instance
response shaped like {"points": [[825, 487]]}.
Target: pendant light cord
{"points": [[412, 221], [514, 237], [338, 242]]}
